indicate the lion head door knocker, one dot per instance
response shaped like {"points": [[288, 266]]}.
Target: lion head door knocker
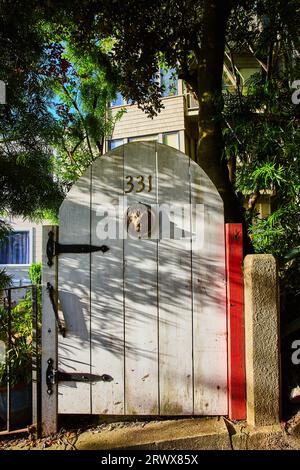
{"points": [[141, 221]]}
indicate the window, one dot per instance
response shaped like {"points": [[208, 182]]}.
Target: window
{"points": [[169, 82], [119, 101], [143, 137], [113, 144], [15, 248], [172, 139]]}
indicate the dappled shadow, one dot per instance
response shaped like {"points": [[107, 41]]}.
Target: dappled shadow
{"points": [[151, 313]]}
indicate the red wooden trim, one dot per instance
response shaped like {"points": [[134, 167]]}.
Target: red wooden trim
{"points": [[235, 322]]}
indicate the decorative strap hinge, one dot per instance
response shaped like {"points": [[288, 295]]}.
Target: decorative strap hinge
{"points": [[53, 376], [61, 328], [54, 248]]}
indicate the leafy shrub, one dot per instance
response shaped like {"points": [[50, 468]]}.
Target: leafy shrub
{"points": [[21, 342], [35, 273], [5, 279]]}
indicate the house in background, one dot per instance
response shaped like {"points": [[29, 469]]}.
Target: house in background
{"points": [[172, 126], [21, 248], [176, 125]]}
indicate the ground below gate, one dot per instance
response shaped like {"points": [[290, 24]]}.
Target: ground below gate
{"points": [[178, 434]]}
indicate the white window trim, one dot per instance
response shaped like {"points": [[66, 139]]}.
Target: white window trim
{"points": [[23, 229], [140, 138], [172, 132], [117, 138]]}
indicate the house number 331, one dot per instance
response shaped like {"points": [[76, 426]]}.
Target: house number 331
{"points": [[138, 184]]}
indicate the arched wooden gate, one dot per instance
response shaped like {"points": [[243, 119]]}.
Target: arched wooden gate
{"points": [[145, 316]]}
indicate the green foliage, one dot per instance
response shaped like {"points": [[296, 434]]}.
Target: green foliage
{"points": [[5, 280], [263, 137], [27, 129], [131, 50], [35, 273], [21, 344], [21, 332], [276, 233], [76, 54], [82, 95], [5, 229], [55, 120], [268, 174], [266, 146]]}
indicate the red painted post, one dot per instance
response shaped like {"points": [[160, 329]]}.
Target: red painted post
{"points": [[235, 322]]}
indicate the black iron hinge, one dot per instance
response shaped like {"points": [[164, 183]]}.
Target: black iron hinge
{"points": [[53, 376], [61, 328], [54, 248]]}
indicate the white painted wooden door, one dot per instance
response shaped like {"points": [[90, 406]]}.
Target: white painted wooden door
{"points": [[150, 312]]}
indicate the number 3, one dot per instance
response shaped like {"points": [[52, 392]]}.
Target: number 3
{"points": [[130, 184]]}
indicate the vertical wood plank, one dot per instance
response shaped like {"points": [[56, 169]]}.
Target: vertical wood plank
{"points": [[49, 338], [235, 320], [140, 283], [174, 287], [209, 297], [107, 309], [150, 313], [74, 296]]}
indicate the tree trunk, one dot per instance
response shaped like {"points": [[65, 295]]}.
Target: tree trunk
{"points": [[210, 148]]}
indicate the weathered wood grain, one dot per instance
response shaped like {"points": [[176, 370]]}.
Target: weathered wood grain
{"points": [[174, 288], [107, 309], [209, 298], [140, 295], [150, 313], [74, 279]]}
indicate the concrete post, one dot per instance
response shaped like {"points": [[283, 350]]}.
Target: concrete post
{"points": [[262, 343]]}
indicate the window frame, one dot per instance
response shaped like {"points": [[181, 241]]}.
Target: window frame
{"points": [[30, 231], [169, 133], [110, 140], [140, 138]]}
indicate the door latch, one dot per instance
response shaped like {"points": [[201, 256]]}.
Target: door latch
{"points": [[53, 376]]}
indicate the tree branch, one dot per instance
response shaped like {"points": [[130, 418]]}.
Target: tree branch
{"points": [[81, 118]]}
